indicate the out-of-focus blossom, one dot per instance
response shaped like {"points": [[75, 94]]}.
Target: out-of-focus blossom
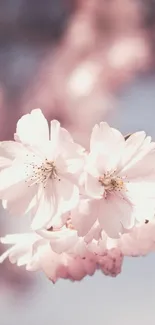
{"points": [[140, 242], [38, 171], [36, 253], [62, 254], [111, 262]]}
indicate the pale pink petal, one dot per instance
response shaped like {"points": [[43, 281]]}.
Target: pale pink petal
{"points": [[74, 166], [58, 221], [67, 194], [12, 181], [63, 147], [24, 259], [65, 136], [80, 248], [71, 149], [60, 241], [109, 220], [105, 139], [140, 190], [33, 264], [114, 214], [54, 265], [140, 241], [18, 238], [76, 270], [11, 150], [79, 268], [111, 262], [106, 145], [20, 252], [5, 255], [54, 131], [5, 162], [143, 207], [142, 167], [70, 166], [55, 137], [94, 233], [132, 145], [66, 143], [119, 138], [107, 162], [32, 129], [21, 203], [84, 216], [46, 208], [63, 243], [93, 187], [98, 163], [89, 266]]}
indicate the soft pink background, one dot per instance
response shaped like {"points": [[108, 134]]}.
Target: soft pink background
{"points": [[81, 62]]}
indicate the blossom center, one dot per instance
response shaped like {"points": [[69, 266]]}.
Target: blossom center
{"points": [[111, 182], [41, 173]]}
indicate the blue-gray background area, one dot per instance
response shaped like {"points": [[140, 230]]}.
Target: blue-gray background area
{"points": [[125, 300]]}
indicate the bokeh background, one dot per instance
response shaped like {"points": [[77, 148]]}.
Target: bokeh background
{"points": [[80, 61]]}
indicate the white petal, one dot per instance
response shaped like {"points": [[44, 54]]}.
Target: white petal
{"points": [[65, 135], [100, 133], [17, 238], [32, 129], [94, 233], [74, 166], [141, 167], [22, 202], [64, 243], [93, 188], [24, 259], [11, 150], [12, 182], [107, 145], [5, 162], [5, 255], [46, 208], [91, 166], [106, 162], [34, 263], [132, 145], [55, 136], [52, 264], [54, 130], [140, 190], [23, 249], [144, 209], [67, 194], [84, 216], [62, 142], [105, 139], [113, 214]]}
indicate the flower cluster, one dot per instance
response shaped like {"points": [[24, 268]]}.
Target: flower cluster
{"points": [[87, 210]]}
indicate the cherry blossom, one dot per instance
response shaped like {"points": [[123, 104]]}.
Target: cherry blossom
{"points": [[119, 179], [88, 209], [39, 171], [36, 253]]}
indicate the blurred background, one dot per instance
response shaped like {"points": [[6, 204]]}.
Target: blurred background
{"points": [[80, 61]]}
